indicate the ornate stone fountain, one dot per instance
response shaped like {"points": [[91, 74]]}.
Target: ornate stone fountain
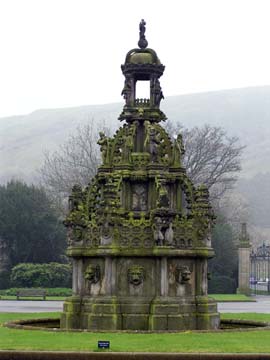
{"points": [[139, 234]]}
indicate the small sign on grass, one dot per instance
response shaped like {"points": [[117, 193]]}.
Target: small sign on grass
{"points": [[103, 344]]}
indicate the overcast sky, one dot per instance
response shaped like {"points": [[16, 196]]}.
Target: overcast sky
{"points": [[62, 53]]}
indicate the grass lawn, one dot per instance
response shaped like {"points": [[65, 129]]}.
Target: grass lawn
{"points": [[252, 341], [231, 297]]}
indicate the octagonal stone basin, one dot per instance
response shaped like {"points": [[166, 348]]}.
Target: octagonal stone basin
{"points": [[51, 324]]}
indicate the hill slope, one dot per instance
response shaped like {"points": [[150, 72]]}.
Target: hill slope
{"points": [[242, 112]]}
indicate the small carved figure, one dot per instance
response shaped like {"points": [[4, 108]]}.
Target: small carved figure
{"points": [[103, 142], [169, 235], [163, 198], [139, 197], [129, 144], [153, 143], [127, 90], [135, 275], [142, 28], [157, 93], [92, 273], [142, 41], [178, 149], [180, 144], [183, 274], [158, 235], [147, 135]]}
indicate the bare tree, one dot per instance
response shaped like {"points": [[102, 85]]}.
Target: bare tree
{"points": [[75, 162], [211, 157]]}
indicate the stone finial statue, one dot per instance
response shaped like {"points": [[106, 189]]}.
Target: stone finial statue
{"points": [[103, 142], [142, 42], [178, 149], [180, 144], [142, 28]]}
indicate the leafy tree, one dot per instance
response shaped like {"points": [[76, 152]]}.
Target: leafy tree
{"points": [[29, 224], [41, 275]]}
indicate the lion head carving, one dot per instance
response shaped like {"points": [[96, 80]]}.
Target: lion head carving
{"points": [[92, 273], [182, 274], [135, 275]]}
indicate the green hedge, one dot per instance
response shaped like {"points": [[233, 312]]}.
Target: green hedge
{"points": [[51, 275], [221, 285]]}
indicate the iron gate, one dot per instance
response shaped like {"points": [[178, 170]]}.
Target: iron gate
{"points": [[260, 270]]}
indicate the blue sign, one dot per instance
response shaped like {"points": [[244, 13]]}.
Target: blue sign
{"points": [[103, 344]]}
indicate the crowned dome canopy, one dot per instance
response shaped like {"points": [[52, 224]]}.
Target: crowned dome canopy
{"points": [[142, 56]]}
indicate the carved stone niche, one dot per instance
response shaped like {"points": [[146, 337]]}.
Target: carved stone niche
{"points": [[92, 274], [182, 274], [135, 275], [139, 197]]}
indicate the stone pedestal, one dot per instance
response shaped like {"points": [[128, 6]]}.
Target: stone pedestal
{"points": [[147, 293]]}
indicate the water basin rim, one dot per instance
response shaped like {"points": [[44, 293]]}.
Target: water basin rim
{"points": [[236, 326]]}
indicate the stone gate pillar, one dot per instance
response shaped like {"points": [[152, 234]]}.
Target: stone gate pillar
{"points": [[244, 262]]}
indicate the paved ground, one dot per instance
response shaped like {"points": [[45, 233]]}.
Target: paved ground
{"points": [[261, 306], [30, 306]]}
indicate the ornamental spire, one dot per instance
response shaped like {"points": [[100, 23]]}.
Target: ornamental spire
{"points": [[142, 41]]}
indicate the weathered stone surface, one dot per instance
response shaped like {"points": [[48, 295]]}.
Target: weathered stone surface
{"points": [[244, 250], [139, 234]]}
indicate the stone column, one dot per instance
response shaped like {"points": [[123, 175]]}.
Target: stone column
{"points": [[164, 277], [80, 275], [244, 262], [75, 277]]}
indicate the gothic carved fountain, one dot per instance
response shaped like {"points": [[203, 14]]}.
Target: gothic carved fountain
{"points": [[139, 234]]}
